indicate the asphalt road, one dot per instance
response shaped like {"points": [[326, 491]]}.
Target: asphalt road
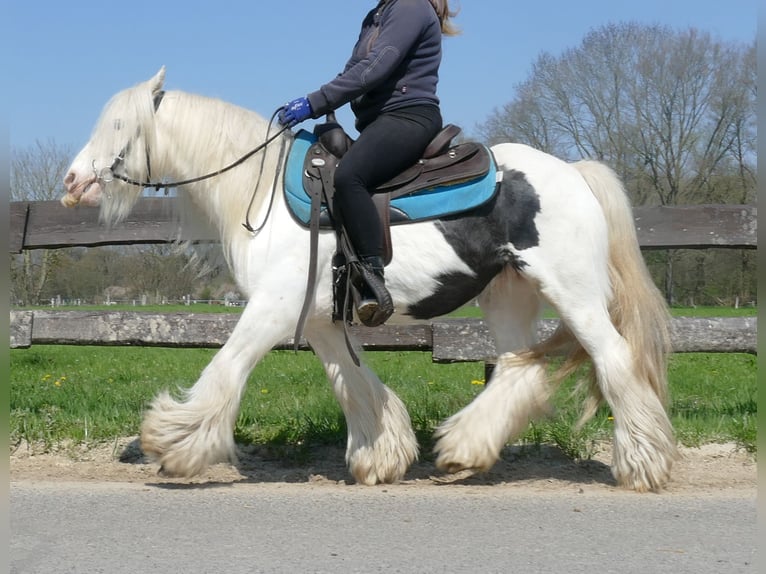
{"points": [[116, 528]]}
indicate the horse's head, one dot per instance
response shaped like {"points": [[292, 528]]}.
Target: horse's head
{"points": [[120, 143]]}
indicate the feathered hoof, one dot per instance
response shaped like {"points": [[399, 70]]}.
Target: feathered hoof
{"points": [[455, 452], [182, 442], [643, 461], [184, 459], [647, 475], [450, 463], [174, 461], [384, 462]]}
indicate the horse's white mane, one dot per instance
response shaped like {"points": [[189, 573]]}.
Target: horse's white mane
{"points": [[189, 135]]}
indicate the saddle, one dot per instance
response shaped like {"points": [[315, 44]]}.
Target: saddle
{"points": [[442, 165]]}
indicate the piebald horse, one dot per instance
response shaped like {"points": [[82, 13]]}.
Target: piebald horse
{"points": [[556, 232]]}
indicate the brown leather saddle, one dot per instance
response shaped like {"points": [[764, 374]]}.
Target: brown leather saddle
{"points": [[442, 164]]}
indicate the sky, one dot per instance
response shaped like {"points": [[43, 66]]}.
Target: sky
{"points": [[67, 59]]}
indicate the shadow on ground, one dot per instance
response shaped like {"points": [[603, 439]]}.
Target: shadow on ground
{"points": [[279, 463]]}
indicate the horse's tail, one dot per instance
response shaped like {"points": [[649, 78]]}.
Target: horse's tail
{"points": [[637, 308]]}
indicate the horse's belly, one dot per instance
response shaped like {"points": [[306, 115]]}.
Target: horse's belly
{"points": [[454, 291]]}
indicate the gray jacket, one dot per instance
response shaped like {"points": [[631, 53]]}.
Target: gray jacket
{"points": [[395, 63]]}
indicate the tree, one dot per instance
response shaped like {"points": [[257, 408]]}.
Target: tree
{"points": [[159, 272], [37, 174], [86, 273], [672, 112]]}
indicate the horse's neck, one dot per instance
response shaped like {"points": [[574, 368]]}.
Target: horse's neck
{"points": [[198, 136]]}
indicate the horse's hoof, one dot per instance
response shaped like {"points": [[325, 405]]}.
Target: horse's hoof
{"points": [[453, 467], [164, 473]]}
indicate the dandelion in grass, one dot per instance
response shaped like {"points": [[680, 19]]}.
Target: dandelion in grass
{"points": [[477, 382], [264, 391]]}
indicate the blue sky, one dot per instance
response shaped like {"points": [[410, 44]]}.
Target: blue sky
{"points": [[67, 59]]}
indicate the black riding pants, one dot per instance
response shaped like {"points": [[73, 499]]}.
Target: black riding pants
{"points": [[386, 147]]}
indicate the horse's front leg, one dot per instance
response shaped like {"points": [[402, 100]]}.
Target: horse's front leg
{"points": [[185, 436], [381, 443]]}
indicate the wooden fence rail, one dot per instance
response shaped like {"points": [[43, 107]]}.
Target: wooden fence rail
{"points": [[448, 340], [49, 225]]}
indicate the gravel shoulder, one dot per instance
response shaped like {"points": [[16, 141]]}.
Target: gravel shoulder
{"points": [[711, 468]]}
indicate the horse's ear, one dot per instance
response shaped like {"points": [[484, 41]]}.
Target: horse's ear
{"points": [[157, 81]]}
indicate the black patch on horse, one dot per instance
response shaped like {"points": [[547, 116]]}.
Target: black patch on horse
{"points": [[480, 237]]}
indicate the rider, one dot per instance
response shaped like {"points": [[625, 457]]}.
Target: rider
{"points": [[390, 81]]}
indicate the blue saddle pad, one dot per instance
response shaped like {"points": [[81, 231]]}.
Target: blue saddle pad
{"points": [[429, 203]]}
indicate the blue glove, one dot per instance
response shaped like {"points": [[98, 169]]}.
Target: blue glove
{"points": [[294, 112]]}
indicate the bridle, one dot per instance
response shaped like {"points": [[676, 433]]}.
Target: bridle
{"points": [[109, 174]]}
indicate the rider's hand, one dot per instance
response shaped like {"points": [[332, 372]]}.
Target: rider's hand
{"points": [[294, 112]]}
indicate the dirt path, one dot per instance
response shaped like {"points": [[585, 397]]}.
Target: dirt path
{"points": [[711, 468]]}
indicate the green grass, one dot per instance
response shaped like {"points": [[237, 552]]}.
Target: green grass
{"points": [[714, 398], [474, 311], [714, 311], [96, 394]]}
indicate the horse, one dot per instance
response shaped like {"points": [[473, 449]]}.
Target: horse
{"points": [[557, 232]]}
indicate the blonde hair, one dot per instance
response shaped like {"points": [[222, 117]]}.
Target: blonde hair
{"points": [[445, 15]]}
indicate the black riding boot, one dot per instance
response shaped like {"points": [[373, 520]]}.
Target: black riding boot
{"points": [[373, 301]]}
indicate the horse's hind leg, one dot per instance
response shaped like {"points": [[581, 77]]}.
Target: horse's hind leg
{"points": [[644, 446], [381, 443], [517, 392], [511, 308]]}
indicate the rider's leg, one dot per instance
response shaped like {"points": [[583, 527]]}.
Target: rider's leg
{"points": [[386, 147]]}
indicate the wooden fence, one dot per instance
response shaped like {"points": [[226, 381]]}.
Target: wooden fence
{"points": [[36, 225], [448, 340], [47, 224]]}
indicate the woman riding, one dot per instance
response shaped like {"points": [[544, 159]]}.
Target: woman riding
{"points": [[390, 81]]}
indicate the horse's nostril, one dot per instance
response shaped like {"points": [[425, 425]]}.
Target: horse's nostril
{"points": [[69, 179]]}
